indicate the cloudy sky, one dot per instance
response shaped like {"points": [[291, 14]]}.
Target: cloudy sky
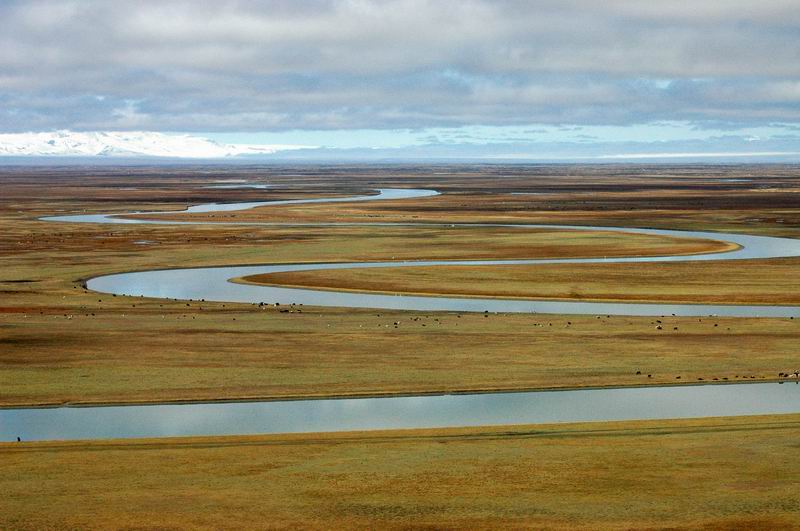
{"points": [[494, 79]]}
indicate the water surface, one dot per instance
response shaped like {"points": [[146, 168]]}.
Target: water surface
{"points": [[303, 416], [382, 194]]}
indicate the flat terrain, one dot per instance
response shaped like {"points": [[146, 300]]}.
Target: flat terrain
{"points": [[744, 199], [111, 351], [741, 473], [62, 344]]}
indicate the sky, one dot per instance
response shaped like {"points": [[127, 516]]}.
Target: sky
{"points": [[546, 79]]}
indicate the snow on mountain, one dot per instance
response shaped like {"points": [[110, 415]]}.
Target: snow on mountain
{"points": [[126, 144]]}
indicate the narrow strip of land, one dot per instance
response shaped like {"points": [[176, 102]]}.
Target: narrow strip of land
{"points": [[734, 282]]}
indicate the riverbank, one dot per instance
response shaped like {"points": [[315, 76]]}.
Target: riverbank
{"points": [[751, 282], [787, 378]]}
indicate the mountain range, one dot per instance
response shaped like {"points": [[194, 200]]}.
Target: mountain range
{"points": [[127, 144]]}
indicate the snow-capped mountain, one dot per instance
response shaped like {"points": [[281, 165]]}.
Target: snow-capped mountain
{"points": [[126, 144]]}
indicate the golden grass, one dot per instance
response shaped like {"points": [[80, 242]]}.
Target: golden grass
{"points": [[723, 473], [111, 351], [730, 282]]}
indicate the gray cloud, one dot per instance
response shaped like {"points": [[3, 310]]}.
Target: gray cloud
{"points": [[323, 64]]}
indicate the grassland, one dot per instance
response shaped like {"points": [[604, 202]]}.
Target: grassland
{"points": [[61, 344], [154, 353], [723, 473]]}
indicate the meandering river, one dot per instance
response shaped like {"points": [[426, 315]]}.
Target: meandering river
{"points": [[212, 284]]}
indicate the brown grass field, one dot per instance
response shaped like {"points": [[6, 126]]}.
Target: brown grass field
{"points": [[61, 344], [740, 473]]}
